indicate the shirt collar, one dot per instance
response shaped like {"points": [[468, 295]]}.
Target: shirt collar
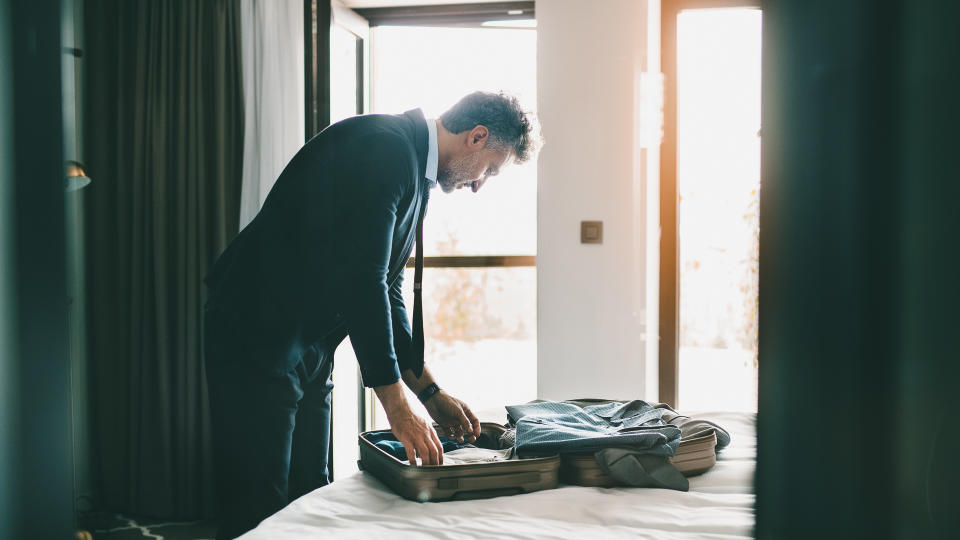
{"points": [[433, 152]]}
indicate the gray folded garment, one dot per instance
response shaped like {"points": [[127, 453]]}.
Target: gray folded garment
{"points": [[638, 469], [508, 439], [689, 427], [694, 427], [547, 427]]}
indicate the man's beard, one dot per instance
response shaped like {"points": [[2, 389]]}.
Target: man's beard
{"points": [[457, 172]]}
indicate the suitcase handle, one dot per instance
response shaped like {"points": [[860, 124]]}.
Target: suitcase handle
{"points": [[488, 482]]}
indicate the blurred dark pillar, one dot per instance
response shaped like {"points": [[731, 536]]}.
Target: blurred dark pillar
{"points": [[859, 292], [928, 368], [35, 487]]}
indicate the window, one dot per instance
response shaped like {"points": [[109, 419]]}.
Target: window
{"points": [[480, 276], [479, 321]]}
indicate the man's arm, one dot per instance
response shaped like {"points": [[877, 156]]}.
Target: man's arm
{"points": [[416, 385], [455, 418], [370, 190], [417, 436]]}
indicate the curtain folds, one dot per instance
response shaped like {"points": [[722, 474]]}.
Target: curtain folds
{"points": [[164, 119], [272, 36]]}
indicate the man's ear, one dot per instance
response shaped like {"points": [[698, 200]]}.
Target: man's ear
{"points": [[478, 137]]}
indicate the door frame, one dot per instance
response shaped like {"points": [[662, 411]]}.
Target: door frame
{"points": [[319, 17], [669, 361]]}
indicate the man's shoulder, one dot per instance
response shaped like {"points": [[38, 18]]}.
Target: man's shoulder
{"points": [[363, 141], [382, 128]]}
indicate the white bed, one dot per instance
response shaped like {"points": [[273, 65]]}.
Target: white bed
{"points": [[720, 504]]}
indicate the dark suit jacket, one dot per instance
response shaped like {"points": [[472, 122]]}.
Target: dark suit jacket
{"points": [[325, 255]]}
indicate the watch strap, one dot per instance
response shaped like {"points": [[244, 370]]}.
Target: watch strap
{"points": [[428, 392]]}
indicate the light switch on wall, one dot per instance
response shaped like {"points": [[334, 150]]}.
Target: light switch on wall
{"points": [[591, 232]]}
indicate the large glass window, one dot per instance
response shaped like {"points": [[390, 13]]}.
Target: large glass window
{"points": [[479, 321]]}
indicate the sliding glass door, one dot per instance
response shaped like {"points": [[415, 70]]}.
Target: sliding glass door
{"points": [[710, 192]]}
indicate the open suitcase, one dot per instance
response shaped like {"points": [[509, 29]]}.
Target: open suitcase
{"points": [[460, 482]]}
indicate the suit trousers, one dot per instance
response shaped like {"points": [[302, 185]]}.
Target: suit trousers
{"points": [[271, 433]]}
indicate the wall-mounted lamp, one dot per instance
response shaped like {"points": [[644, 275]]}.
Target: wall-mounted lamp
{"points": [[76, 177]]}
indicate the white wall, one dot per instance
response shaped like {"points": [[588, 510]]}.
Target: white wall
{"points": [[592, 299]]}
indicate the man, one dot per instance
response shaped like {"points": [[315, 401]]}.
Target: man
{"points": [[322, 260]]}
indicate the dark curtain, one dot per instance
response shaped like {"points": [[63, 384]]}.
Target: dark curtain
{"points": [[858, 431], [164, 142]]}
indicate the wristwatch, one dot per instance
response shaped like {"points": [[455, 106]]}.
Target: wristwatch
{"points": [[428, 392]]}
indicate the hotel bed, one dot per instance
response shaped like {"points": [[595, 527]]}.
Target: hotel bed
{"points": [[720, 504]]}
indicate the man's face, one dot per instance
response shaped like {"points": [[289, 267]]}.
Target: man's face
{"points": [[472, 169]]}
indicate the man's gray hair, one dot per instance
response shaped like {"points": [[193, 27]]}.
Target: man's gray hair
{"points": [[510, 126]]}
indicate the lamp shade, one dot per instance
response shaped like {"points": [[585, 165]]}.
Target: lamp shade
{"points": [[76, 177]]}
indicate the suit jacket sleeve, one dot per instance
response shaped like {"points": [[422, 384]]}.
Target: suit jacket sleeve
{"points": [[374, 183], [402, 335]]}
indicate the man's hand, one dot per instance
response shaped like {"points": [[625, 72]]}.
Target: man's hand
{"points": [[456, 420], [416, 434]]}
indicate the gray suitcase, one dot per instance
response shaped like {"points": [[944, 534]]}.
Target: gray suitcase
{"points": [[460, 482]]}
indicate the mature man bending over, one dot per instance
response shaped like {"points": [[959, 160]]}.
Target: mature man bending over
{"points": [[322, 260]]}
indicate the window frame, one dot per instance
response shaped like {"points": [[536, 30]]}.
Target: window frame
{"points": [[457, 15]]}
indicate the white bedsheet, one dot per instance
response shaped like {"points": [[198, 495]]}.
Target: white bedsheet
{"points": [[720, 504]]}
